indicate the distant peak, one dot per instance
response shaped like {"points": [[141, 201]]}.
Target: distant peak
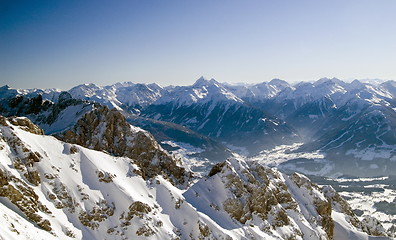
{"points": [[5, 87], [356, 81], [64, 97], [203, 81], [328, 80], [277, 81], [86, 85], [124, 84]]}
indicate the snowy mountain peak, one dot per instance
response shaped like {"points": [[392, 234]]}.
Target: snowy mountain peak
{"points": [[279, 83], [84, 91], [127, 96], [201, 92], [329, 81], [5, 87], [123, 84], [205, 82]]}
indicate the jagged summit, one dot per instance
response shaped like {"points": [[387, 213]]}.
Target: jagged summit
{"points": [[203, 81]]}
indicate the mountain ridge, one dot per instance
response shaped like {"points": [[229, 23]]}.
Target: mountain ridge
{"points": [[87, 194]]}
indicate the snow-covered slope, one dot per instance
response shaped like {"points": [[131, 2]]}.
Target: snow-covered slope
{"points": [[48, 94], [55, 190], [97, 127], [210, 109], [53, 117], [261, 91], [127, 95], [75, 193], [202, 91]]}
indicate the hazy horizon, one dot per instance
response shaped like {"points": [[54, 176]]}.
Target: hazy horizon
{"points": [[292, 83], [54, 44]]}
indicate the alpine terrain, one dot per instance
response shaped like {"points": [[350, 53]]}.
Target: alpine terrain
{"points": [[313, 160]]}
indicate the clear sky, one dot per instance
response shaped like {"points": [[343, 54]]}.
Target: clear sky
{"points": [[48, 44]]}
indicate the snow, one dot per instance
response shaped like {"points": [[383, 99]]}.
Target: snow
{"points": [[371, 153], [119, 94], [284, 153], [66, 119], [77, 173], [201, 92], [265, 90], [14, 226], [341, 180], [365, 202], [344, 230]]}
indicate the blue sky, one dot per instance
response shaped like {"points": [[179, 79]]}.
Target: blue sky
{"points": [[48, 44]]}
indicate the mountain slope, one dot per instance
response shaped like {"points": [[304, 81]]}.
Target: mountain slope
{"points": [[210, 109], [94, 126], [127, 95], [107, 130], [66, 191], [73, 192]]}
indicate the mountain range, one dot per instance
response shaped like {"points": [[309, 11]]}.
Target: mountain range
{"points": [[349, 122], [130, 161]]}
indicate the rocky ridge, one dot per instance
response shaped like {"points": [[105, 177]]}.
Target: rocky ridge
{"points": [[107, 130]]}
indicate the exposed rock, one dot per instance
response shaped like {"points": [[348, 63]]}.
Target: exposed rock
{"points": [[107, 130], [341, 205], [216, 168], [25, 160], [145, 231], [322, 206], [24, 198], [105, 176], [26, 125], [256, 192], [138, 209], [99, 213], [372, 226]]}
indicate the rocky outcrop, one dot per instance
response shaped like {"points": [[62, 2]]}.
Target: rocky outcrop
{"points": [[26, 125], [282, 206], [252, 194], [14, 189], [322, 205], [370, 225], [107, 130], [24, 198], [258, 195], [24, 159]]}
